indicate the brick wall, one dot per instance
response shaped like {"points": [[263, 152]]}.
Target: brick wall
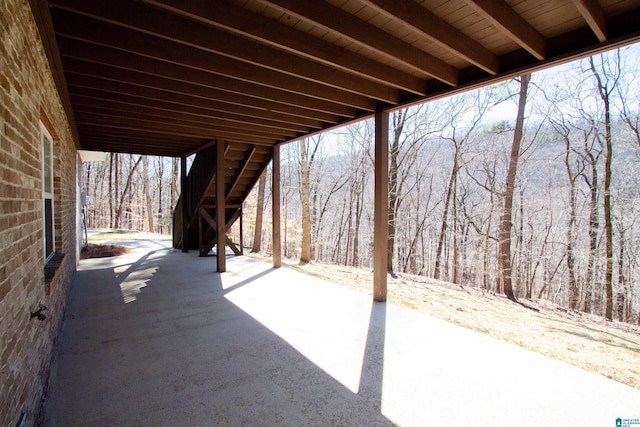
{"points": [[27, 97]]}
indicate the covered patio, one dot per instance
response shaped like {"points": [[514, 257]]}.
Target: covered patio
{"points": [[158, 338], [161, 337]]}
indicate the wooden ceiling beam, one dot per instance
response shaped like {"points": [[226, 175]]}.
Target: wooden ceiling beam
{"points": [[161, 24], [181, 120], [96, 58], [141, 140], [209, 62], [508, 21], [97, 138], [233, 57], [223, 101], [176, 129], [180, 90], [436, 30], [126, 142], [247, 24], [96, 131], [99, 97], [179, 131], [84, 103], [109, 80], [336, 20], [593, 13], [133, 148]]}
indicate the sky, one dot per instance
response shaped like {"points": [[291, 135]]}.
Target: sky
{"points": [[631, 60]]}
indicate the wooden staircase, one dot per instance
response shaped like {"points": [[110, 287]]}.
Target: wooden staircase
{"points": [[243, 165]]}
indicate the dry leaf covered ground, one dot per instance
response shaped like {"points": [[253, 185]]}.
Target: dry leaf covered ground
{"points": [[611, 349]]}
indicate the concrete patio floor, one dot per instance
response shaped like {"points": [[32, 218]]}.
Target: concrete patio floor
{"points": [[157, 338]]}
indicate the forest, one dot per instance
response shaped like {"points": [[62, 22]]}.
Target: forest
{"points": [[530, 188]]}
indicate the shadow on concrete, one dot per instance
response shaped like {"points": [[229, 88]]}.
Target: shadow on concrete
{"points": [[151, 340], [371, 377]]}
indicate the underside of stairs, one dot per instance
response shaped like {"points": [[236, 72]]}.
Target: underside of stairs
{"points": [[242, 166]]}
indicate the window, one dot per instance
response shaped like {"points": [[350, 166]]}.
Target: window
{"points": [[47, 193]]}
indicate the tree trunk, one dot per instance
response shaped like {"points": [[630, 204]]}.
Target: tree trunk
{"points": [[175, 174], [605, 91], [594, 225], [160, 201], [257, 232], [116, 193], [420, 219], [305, 251], [349, 237], [574, 291], [356, 232], [111, 195], [147, 192], [608, 217], [505, 220], [285, 217], [518, 262], [622, 288], [454, 214], [486, 255], [443, 228], [399, 120], [126, 190]]}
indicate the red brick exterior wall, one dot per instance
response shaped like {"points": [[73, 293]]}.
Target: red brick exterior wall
{"points": [[28, 96]]}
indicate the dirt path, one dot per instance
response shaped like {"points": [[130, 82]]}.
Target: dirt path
{"points": [[610, 349]]}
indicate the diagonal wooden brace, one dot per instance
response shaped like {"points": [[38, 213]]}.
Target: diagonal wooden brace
{"points": [[214, 225]]}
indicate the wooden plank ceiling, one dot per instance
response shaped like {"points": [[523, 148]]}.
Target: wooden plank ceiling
{"points": [[168, 77]]}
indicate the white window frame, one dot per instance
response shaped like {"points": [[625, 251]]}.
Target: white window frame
{"points": [[49, 235]]}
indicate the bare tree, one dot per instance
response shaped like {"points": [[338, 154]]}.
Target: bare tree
{"points": [[160, 179], [125, 191], [147, 193], [606, 74], [460, 130], [257, 233], [308, 151], [507, 212], [398, 119], [561, 123], [175, 173], [112, 160]]}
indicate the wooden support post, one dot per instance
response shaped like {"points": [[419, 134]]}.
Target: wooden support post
{"points": [[241, 246], [220, 209], [380, 210], [184, 191], [275, 204]]}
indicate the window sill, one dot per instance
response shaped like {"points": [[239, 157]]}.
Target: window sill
{"points": [[50, 269]]}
